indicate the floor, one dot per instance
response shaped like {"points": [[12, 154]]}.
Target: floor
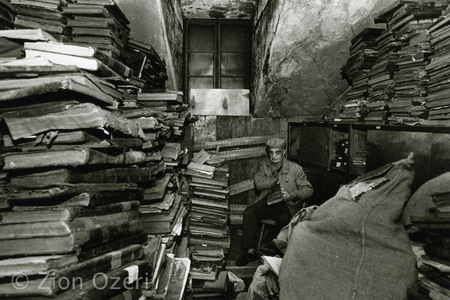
{"points": [[246, 272]]}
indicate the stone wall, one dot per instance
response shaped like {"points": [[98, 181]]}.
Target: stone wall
{"points": [[174, 32], [299, 48]]}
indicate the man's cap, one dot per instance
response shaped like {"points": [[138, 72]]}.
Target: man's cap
{"points": [[276, 143]]}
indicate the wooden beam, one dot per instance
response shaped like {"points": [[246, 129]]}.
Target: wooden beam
{"points": [[234, 142]]}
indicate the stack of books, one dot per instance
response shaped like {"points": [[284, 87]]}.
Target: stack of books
{"points": [[207, 279], [209, 203], [362, 57], [434, 265], [7, 15], [211, 289], [46, 15], [380, 77], [163, 217], [410, 23], [153, 73], [161, 100], [84, 57], [437, 100], [353, 110], [172, 155], [73, 183], [100, 24]]}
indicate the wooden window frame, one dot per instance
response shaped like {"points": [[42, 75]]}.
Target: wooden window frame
{"points": [[217, 52]]}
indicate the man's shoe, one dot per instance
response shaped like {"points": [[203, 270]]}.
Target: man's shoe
{"points": [[245, 259]]}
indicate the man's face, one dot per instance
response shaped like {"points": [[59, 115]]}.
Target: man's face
{"points": [[276, 154]]}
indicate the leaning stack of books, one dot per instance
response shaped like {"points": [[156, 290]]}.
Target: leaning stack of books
{"points": [[46, 15], [74, 174], [100, 24], [153, 73], [434, 265]]}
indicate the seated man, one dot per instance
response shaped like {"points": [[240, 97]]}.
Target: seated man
{"points": [[275, 174]]}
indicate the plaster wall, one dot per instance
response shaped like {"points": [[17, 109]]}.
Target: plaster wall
{"points": [[159, 23]]}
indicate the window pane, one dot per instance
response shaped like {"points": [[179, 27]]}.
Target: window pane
{"points": [[233, 83], [201, 64], [201, 37], [234, 37], [201, 83], [233, 64]]}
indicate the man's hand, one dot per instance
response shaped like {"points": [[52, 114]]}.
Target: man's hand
{"points": [[272, 285], [275, 183], [285, 195]]}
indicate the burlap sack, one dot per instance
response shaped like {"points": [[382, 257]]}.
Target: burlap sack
{"points": [[354, 248], [420, 202]]}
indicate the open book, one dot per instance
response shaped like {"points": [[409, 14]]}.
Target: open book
{"points": [[274, 263]]}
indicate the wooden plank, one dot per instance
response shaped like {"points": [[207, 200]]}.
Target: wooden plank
{"points": [[244, 153], [233, 142], [220, 102], [241, 187]]}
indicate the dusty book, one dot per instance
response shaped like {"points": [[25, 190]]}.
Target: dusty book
{"points": [[75, 157], [41, 214], [81, 51], [61, 177], [204, 270], [71, 243], [84, 194]]}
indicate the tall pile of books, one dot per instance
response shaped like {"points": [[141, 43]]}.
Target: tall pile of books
{"points": [[437, 100], [45, 15], [100, 24], [362, 57], [74, 172], [7, 15], [209, 236], [434, 265], [389, 73], [409, 23], [381, 83], [163, 206]]}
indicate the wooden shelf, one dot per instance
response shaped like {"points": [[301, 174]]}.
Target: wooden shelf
{"points": [[370, 146]]}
